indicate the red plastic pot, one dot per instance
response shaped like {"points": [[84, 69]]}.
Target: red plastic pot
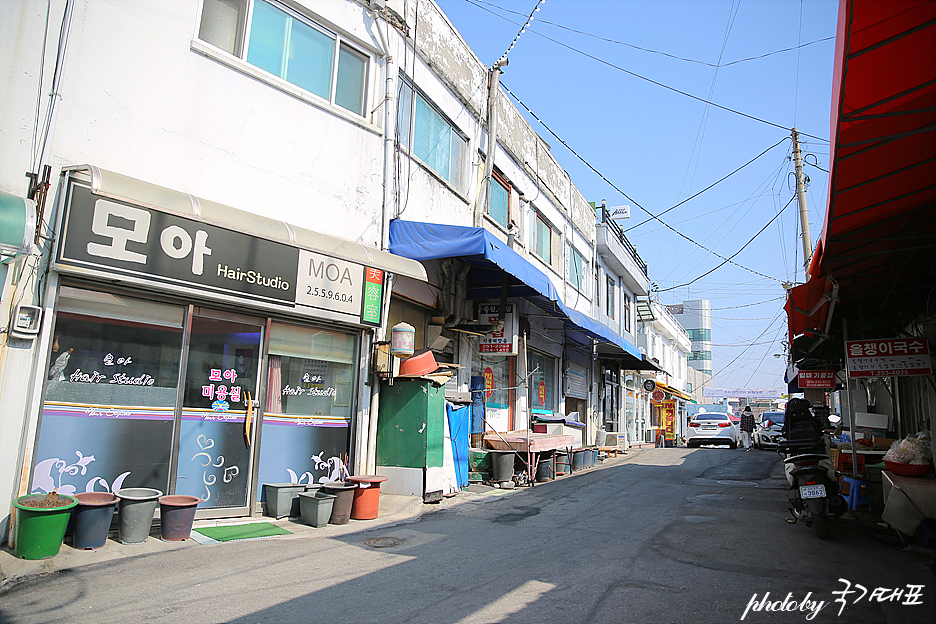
{"points": [[366, 501], [176, 516]]}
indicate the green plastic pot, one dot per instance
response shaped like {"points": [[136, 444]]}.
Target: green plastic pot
{"points": [[39, 532]]}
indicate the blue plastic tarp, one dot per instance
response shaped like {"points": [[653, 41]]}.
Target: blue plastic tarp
{"points": [[458, 431]]}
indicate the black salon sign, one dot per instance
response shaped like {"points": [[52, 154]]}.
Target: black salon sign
{"points": [[124, 241]]}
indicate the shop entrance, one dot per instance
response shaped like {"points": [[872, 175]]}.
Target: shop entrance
{"points": [[217, 425]]}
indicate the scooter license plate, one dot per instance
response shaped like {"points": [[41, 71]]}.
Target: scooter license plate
{"points": [[812, 491]]}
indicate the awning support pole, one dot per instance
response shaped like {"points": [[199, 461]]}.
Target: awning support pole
{"points": [[851, 406]]}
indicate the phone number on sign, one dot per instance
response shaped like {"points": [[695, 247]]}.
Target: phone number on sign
{"points": [[330, 294]]}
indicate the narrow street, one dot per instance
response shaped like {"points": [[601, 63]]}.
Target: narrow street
{"points": [[663, 535]]}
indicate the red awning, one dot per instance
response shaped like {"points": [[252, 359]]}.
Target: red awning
{"points": [[808, 307], [878, 241]]}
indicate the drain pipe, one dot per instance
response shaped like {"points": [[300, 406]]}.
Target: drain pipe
{"points": [[388, 104], [369, 446], [368, 461]]}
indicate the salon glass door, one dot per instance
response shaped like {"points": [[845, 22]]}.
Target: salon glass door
{"points": [[217, 429]]}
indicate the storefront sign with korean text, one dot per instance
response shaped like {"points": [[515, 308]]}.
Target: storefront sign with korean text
{"points": [[668, 414], [501, 341], [815, 379], [123, 241], [897, 357]]}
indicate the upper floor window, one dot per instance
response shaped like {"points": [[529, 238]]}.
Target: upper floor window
{"points": [[499, 201], [546, 241], [700, 335], [577, 269], [626, 311], [273, 38], [429, 134], [609, 300]]}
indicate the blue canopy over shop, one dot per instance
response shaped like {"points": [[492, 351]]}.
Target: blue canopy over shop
{"points": [[497, 271]]}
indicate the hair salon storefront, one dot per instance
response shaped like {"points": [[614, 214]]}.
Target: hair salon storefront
{"points": [[190, 356]]}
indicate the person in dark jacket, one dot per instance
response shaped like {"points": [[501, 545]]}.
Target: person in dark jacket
{"points": [[747, 426]]}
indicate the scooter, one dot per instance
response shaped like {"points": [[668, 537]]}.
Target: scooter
{"points": [[814, 492]]}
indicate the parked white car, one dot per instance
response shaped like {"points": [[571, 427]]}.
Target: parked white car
{"points": [[711, 428], [768, 430]]}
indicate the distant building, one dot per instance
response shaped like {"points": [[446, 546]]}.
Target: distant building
{"points": [[696, 317]]}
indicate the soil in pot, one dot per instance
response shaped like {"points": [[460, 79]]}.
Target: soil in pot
{"points": [[50, 501]]}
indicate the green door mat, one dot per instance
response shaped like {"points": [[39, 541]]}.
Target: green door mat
{"points": [[242, 531]]}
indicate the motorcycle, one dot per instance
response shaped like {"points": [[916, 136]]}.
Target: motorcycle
{"points": [[814, 492]]}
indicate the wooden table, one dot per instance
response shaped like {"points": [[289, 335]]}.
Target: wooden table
{"points": [[530, 444]]}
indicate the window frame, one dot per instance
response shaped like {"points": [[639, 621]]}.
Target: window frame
{"points": [[500, 180], [241, 50], [579, 284], [554, 243], [406, 120], [611, 286], [626, 310]]}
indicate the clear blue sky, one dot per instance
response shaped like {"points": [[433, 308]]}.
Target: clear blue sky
{"points": [[584, 67]]}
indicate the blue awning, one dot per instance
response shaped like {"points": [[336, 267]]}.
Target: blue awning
{"points": [[491, 261]]}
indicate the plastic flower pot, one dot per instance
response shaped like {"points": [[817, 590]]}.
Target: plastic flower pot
{"points": [[366, 501], [40, 531], [544, 471], [135, 511], [315, 507], [578, 460], [93, 517], [344, 499], [282, 499], [503, 465], [176, 516]]}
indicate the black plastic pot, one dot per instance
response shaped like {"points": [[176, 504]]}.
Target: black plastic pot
{"points": [[93, 516]]}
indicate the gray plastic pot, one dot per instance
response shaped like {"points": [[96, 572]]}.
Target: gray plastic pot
{"points": [[315, 507], [135, 512], [282, 499]]}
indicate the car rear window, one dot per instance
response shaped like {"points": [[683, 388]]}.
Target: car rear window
{"points": [[710, 416]]}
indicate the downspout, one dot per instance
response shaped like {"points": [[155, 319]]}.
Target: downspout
{"points": [[388, 136], [368, 459], [461, 289], [447, 290], [369, 463]]}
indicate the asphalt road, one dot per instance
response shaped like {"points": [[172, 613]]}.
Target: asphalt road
{"points": [[669, 535]]}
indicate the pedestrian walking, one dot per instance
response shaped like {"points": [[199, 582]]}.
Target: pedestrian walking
{"points": [[747, 426]]}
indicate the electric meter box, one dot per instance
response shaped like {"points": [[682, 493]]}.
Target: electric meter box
{"points": [[26, 321]]}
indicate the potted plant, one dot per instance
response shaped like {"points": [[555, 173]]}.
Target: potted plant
{"points": [[40, 524]]}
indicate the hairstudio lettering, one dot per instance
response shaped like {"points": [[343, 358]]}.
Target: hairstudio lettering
{"points": [[252, 277], [121, 379]]}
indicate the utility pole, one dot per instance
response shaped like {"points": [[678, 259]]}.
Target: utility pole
{"points": [[801, 197], [485, 190]]}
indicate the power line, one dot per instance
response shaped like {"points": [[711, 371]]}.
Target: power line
{"points": [[625, 195], [478, 4], [693, 196], [674, 89], [748, 305], [727, 260]]}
